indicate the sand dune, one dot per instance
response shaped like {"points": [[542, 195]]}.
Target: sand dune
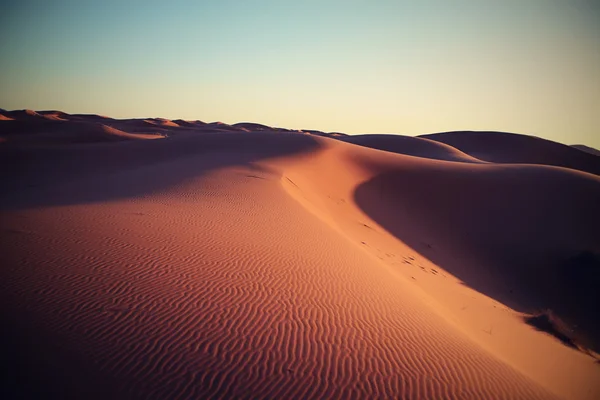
{"points": [[222, 126], [485, 236], [411, 146], [162, 122], [54, 115], [291, 265], [501, 147], [88, 117], [323, 134], [69, 132], [587, 149], [189, 124], [500, 217], [22, 114], [251, 127]]}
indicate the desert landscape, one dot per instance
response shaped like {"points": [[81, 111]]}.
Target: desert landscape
{"points": [[177, 259]]}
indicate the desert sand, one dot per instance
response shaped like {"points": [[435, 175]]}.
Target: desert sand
{"points": [[149, 258]]}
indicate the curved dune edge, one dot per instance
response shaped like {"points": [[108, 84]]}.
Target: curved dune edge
{"points": [[76, 133], [411, 146], [512, 148], [586, 149], [482, 320], [461, 146]]}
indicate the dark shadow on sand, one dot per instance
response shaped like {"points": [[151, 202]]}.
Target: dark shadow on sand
{"points": [[545, 323], [33, 176], [57, 372], [517, 236], [33, 363]]}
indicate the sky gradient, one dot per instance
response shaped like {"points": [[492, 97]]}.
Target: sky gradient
{"points": [[404, 67]]}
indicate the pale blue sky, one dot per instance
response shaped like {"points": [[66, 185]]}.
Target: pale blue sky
{"points": [[408, 67]]}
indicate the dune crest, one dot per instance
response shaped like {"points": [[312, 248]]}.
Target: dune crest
{"points": [[510, 148], [412, 146], [587, 149]]}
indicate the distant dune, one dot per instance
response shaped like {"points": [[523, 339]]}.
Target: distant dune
{"points": [[54, 115], [252, 127], [162, 122], [500, 147], [24, 133], [247, 261], [189, 124], [412, 146], [587, 149]]}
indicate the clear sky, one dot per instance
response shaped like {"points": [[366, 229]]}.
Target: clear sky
{"points": [[371, 66]]}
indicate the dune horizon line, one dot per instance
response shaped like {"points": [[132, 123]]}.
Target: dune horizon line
{"points": [[56, 115]]}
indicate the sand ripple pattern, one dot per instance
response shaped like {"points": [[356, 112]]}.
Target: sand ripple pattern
{"points": [[225, 287]]}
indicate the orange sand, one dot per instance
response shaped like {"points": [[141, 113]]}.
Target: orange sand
{"points": [[243, 261]]}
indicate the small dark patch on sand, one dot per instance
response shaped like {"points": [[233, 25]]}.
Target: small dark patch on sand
{"points": [[546, 322]]}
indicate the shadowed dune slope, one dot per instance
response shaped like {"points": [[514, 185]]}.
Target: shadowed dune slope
{"points": [[521, 225], [54, 115], [587, 149], [189, 124], [514, 234], [24, 114], [501, 147], [162, 122], [412, 146], [89, 118], [221, 126], [84, 127], [143, 125], [45, 170], [252, 127], [57, 132]]}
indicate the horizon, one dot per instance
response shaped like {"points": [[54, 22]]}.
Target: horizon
{"points": [[351, 67], [292, 129]]}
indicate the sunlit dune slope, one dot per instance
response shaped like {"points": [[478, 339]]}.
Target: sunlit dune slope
{"points": [[512, 233], [223, 264], [501, 147]]}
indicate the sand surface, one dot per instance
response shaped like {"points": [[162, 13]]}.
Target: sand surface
{"points": [[245, 261]]}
